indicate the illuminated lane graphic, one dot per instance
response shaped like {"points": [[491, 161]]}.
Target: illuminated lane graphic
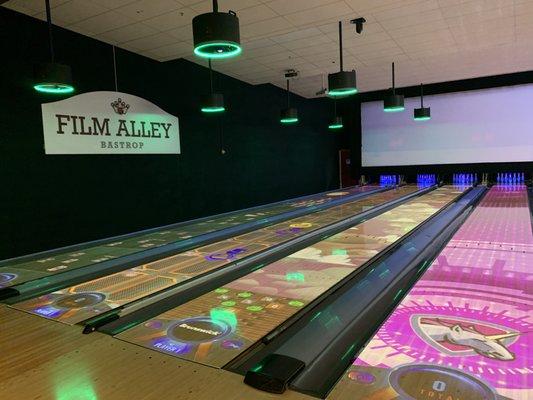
{"points": [[257, 303], [465, 330], [112, 249], [132, 284]]}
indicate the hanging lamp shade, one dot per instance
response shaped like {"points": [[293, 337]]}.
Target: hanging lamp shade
{"points": [[342, 83], [289, 116], [336, 123], [52, 77], [393, 102], [213, 103], [216, 34], [422, 113]]}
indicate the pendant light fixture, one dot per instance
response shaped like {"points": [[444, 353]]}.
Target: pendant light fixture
{"points": [[336, 123], [52, 77], [289, 115], [393, 102], [216, 34], [214, 102], [342, 83], [422, 113]]}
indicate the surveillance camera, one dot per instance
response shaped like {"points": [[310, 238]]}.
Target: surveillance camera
{"points": [[358, 24]]}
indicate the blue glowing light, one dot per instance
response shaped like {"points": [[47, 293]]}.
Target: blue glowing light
{"points": [[48, 312]]}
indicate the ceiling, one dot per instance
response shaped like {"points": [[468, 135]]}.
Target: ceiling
{"points": [[430, 40]]}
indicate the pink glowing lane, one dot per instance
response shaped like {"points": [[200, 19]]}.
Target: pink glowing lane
{"points": [[472, 309]]}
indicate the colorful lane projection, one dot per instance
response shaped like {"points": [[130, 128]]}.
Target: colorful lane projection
{"points": [[86, 300], [216, 327], [464, 331], [18, 272]]}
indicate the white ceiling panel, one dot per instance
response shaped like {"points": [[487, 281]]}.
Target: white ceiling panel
{"points": [[430, 40]]}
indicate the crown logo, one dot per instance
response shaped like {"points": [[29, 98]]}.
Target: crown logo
{"points": [[120, 106]]}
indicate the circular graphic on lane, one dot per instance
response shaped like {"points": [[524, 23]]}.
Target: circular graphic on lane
{"points": [[424, 381], [198, 330], [79, 300], [6, 277]]}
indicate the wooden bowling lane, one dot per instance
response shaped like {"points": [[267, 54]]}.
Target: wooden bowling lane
{"points": [[22, 269], [464, 330], [216, 327], [47, 361], [88, 299]]}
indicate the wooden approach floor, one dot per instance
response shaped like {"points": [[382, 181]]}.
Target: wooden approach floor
{"points": [[42, 359]]}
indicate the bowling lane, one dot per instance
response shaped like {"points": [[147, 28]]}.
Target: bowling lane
{"points": [[464, 331], [215, 328], [86, 300], [23, 269]]}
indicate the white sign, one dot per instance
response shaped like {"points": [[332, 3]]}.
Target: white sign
{"points": [[108, 123]]}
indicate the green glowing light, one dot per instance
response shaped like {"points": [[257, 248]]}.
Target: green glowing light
{"points": [[228, 303], [218, 50], [213, 109], [245, 295], [339, 252], [288, 120], [221, 290], [54, 88], [393, 109], [254, 308], [422, 118], [335, 126], [296, 303], [73, 383], [295, 276], [342, 92], [224, 315], [397, 295], [257, 368]]}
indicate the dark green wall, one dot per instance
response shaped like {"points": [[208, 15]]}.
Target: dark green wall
{"points": [[51, 201]]}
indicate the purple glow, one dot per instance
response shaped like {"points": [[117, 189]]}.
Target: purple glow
{"points": [[471, 310]]}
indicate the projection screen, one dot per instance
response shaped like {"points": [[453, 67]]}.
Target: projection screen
{"points": [[482, 126]]}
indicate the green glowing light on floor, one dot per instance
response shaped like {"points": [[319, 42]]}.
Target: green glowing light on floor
{"points": [[339, 252], [394, 109], [335, 126], [288, 120], [228, 303], [218, 50], [245, 295], [254, 308], [54, 88], [224, 315], [295, 276], [342, 92], [422, 118], [213, 109], [296, 303], [221, 290]]}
